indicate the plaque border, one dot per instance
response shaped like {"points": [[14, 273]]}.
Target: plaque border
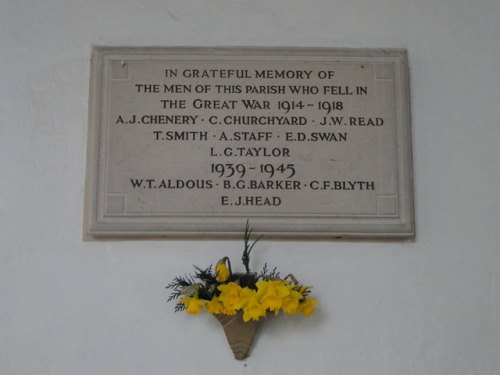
{"points": [[97, 226]]}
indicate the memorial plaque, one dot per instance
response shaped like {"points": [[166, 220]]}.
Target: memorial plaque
{"points": [[303, 142]]}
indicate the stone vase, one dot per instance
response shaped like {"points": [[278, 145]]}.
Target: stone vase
{"points": [[239, 334]]}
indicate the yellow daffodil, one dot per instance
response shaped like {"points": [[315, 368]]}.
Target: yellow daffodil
{"points": [[291, 302], [308, 306], [230, 296], [252, 308], [194, 305], [228, 310], [214, 306], [222, 271], [272, 292]]}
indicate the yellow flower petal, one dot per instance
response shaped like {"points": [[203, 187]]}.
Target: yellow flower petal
{"points": [[252, 308], [308, 307], [272, 292], [222, 271], [230, 296], [214, 306], [194, 305], [291, 302]]}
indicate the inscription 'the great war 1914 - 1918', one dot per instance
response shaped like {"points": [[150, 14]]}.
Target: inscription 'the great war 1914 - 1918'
{"points": [[304, 142]]}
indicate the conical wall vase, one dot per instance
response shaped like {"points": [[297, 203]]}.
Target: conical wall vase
{"points": [[239, 334]]}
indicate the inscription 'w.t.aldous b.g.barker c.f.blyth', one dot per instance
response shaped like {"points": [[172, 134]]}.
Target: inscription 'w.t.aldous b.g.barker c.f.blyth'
{"points": [[303, 142]]}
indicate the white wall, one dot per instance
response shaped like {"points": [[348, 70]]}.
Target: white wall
{"points": [[428, 307]]}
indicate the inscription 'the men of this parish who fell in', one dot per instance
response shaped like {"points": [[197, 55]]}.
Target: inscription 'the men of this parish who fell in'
{"points": [[302, 142]]}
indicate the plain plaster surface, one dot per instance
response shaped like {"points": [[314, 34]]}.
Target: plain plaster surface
{"points": [[427, 307]]}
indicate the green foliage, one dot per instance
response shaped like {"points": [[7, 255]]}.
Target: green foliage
{"points": [[269, 274], [248, 247], [201, 283]]}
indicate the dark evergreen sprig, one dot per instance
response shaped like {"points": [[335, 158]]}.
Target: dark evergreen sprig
{"points": [[302, 289], [181, 284], [269, 274], [178, 285], [208, 280], [206, 276], [248, 247], [179, 306], [305, 290]]}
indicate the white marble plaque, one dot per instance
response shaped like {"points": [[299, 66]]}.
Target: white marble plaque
{"points": [[303, 142]]}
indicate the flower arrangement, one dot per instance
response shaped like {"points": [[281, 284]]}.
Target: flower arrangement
{"points": [[248, 296]]}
